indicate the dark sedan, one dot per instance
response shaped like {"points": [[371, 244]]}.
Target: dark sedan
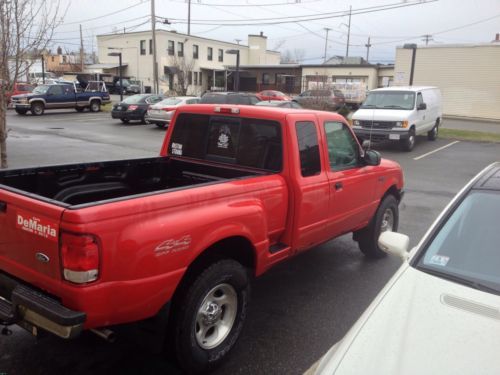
{"points": [[135, 107]]}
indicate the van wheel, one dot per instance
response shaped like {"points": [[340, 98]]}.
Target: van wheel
{"points": [[37, 109], [408, 143], [385, 219], [432, 135], [210, 316], [95, 106]]}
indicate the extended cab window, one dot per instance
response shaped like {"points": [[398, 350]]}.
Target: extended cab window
{"points": [[343, 150], [307, 138], [56, 90], [247, 142]]}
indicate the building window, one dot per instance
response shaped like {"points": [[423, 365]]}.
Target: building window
{"points": [[64, 60], [190, 78], [150, 46], [195, 51], [210, 52], [195, 78], [143, 47], [52, 58], [171, 48], [266, 78], [180, 49], [221, 55], [199, 80]]}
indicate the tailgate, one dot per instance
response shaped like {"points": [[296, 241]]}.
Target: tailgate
{"points": [[29, 238]]}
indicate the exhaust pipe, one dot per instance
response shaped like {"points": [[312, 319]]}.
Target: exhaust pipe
{"points": [[105, 334]]}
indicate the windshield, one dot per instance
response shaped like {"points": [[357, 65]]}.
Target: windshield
{"points": [[466, 249], [390, 100], [170, 101], [135, 99], [41, 89]]}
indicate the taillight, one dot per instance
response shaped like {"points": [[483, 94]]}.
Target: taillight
{"points": [[132, 107], [80, 257]]}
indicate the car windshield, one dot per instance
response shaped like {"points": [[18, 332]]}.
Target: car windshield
{"points": [[465, 249], [41, 89], [135, 99], [390, 100], [170, 101], [125, 82]]}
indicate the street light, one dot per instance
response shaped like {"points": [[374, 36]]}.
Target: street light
{"points": [[413, 47], [236, 86], [119, 54]]}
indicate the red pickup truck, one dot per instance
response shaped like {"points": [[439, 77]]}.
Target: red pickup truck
{"points": [[235, 190]]}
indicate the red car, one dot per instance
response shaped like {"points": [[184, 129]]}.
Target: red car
{"points": [[272, 95], [19, 88]]}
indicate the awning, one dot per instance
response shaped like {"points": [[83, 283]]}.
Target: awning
{"points": [[105, 66], [170, 70]]}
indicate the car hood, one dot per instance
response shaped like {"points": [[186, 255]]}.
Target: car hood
{"points": [[368, 114], [422, 324], [22, 96]]}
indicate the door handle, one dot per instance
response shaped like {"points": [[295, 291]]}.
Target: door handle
{"points": [[338, 185], [3, 206]]}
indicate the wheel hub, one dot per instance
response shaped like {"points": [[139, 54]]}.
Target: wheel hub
{"points": [[212, 313]]}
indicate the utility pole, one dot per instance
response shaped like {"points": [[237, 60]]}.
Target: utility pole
{"points": [[81, 49], [368, 45], [348, 31], [427, 38], [189, 17], [155, 66], [326, 42]]}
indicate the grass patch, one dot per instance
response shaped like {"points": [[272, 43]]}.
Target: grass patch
{"points": [[107, 107], [468, 135]]}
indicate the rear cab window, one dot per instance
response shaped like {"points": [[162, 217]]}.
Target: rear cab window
{"points": [[247, 142], [307, 139]]}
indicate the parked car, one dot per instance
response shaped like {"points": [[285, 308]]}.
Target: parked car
{"points": [[60, 96], [178, 237], [329, 100], [229, 98], [17, 89], [439, 313], [399, 114], [272, 95], [134, 107], [280, 103], [162, 112]]}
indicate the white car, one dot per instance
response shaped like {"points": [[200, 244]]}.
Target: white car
{"points": [[399, 114], [162, 112], [440, 312]]}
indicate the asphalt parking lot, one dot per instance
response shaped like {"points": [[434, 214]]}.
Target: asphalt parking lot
{"points": [[298, 309]]}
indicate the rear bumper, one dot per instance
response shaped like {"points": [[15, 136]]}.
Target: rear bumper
{"points": [[132, 115], [23, 305]]}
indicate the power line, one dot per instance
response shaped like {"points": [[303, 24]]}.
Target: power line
{"points": [[104, 15], [247, 5]]}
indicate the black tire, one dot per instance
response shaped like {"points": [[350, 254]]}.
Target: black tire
{"points": [[37, 109], [224, 278], [368, 237], [432, 135], [80, 109], [160, 125], [21, 111], [95, 106], [125, 120], [408, 143]]}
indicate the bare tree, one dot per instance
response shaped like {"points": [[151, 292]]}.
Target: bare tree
{"points": [[299, 54], [26, 29], [286, 57], [183, 68]]}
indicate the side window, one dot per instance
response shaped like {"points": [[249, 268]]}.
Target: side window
{"points": [[307, 138], [420, 99], [56, 90], [343, 150]]}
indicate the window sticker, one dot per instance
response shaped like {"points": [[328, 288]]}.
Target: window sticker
{"points": [[439, 260], [224, 135], [176, 148]]}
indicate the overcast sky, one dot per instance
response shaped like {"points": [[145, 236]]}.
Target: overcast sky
{"points": [[448, 21]]}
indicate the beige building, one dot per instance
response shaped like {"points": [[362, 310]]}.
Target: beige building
{"points": [[468, 76], [204, 60]]}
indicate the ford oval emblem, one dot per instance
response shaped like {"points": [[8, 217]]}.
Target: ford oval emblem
{"points": [[41, 257]]}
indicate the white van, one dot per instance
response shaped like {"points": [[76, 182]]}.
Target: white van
{"points": [[399, 114]]}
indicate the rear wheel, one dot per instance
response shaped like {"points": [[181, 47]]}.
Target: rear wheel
{"points": [[160, 125], [95, 106], [80, 109], [408, 143], [386, 219], [37, 109], [21, 111], [211, 315], [432, 135]]}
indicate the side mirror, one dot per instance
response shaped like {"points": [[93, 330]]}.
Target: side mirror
{"points": [[395, 244], [422, 106], [371, 157]]}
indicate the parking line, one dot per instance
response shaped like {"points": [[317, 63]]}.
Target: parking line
{"points": [[436, 150]]}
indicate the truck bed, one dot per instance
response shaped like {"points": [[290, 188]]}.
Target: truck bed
{"points": [[87, 184]]}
